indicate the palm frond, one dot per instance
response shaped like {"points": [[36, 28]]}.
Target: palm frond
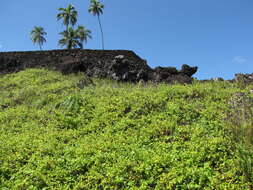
{"points": [[37, 35], [68, 15]]}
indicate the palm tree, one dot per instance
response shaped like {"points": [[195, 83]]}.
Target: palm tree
{"points": [[96, 8], [71, 39], [37, 36], [83, 33], [69, 15]]}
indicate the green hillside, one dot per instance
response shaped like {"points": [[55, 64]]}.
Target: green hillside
{"points": [[110, 135]]}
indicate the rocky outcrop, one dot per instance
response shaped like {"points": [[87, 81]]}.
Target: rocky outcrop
{"points": [[121, 68], [120, 65], [244, 78], [172, 75]]}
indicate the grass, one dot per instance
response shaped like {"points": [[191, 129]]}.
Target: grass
{"points": [[112, 135]]}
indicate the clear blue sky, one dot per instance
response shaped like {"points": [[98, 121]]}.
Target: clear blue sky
{"points": [[215, 35]]}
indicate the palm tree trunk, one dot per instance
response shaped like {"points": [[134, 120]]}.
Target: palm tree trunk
{"points": [[101, 32], [70, 46]]}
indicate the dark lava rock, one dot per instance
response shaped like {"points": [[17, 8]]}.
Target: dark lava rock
{"points": [[187, 70], [120, 65], [9, 65], [171, 75], [163, 73], [124, 69], [244, 78]]}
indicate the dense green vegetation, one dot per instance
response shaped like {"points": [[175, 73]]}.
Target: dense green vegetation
{"points": [[54, 135]]}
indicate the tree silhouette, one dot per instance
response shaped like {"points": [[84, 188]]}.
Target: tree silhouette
{"points": [[74, 38], [83, 33], [96, 8], [69, 15], [37, 36]]}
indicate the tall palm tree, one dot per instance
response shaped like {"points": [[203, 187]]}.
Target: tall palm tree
{"points": [[37, 36], [96, 8], [83, 33], [71, 38], [69, 15]]}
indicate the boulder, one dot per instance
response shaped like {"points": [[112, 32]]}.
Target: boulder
{"points": [[171, 75], [162, 73], [244, 78], [187, 70]]}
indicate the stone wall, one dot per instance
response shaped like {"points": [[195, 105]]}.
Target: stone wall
{"points": [[121, 65], [56, 59]]}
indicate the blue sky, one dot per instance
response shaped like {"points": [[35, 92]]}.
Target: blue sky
{"points": [[215, 35]]}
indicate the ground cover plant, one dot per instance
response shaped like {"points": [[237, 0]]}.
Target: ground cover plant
{"points": [[54, 135]]}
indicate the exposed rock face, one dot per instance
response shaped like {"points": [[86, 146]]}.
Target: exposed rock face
{"points": [[244, 78], [188, 71], [163, 73], [124, 69], [172, 75], [120, 65], [9, 65]]}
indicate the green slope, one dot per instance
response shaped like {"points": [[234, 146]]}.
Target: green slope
{"points": [[118, 136]]}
